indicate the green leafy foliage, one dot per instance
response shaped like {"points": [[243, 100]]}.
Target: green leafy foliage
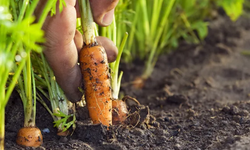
{"points": [[233, 8], [156, 27], [29, 33], [61, 4], [20, 35], [46, 81], [64, 122]]}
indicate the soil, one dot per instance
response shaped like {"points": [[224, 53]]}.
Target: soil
{"points": [[199, 95]]}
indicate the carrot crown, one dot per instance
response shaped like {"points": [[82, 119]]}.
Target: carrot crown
{"points": [[88, 25]]}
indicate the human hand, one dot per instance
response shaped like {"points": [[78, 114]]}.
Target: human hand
{"points": [[63, 42]]}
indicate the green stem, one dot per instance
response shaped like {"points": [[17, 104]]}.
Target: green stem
{"points": [[14, 79], [34, 98], [133, 29], [187, 24], [2, 127], [46, 10], [14, 51], [115, 80], [32, 8], [149, 62], [145, 16], [88, 26], [114, 29], [14, 10], [28, 87], [24, 6], [40, 99], [155, 16]]}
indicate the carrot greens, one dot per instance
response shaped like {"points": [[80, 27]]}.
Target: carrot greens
{"points": [[19, 36], [61, 109]]}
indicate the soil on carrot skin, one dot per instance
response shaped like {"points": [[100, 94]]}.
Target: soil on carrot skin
{"points": [[199, 94]]}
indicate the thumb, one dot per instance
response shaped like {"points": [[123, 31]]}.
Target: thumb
{"points": [[103, 11]]}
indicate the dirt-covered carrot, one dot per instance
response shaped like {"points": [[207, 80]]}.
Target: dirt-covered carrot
{"points": [[119, 107], [29, 137], [95, 70], [119, 111]]}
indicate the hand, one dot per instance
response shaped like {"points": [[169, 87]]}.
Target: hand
{"points": [[63, 42]]}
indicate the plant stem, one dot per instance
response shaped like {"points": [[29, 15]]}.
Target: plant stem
{"points": [[149, 62], [32, 8], [34, 97], [28, 122], [133, 29], [40, 99], [187, 24], [24, 6], [145, 17], [115, 83], [46, 10], [155, 17], [2, 127], [88, 26], [14, 79]]}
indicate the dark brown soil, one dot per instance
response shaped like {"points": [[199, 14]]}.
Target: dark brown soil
{"points": [[200, 95]]}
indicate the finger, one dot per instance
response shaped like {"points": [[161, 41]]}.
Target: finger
{"points": [[61, 51], [77, 9], [63, 61], [103, 11], [78, 40], [109, 47]]}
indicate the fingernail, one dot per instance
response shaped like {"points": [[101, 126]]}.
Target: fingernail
{"points": [[108, 18]]}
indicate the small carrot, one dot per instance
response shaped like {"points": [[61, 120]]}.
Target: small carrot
{"points": [[139, 82], [95, 71], [119, 111], [29, 137]]}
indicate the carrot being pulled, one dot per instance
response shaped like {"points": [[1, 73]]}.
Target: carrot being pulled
{"points": [[95, 71]]}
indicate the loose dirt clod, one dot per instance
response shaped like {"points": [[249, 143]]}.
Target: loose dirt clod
{"points": [[177, 99]]}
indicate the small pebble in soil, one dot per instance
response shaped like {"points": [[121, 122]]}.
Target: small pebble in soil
{"points": [[244, 113], [233, 123], [159, 132], [177, 146], [233, 110], [46, 130], [224, 122], [191, 113], [162, 139], [237, 118], [137, 131]]}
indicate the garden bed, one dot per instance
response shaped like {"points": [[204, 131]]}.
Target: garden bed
{"points": [[199, 94]]}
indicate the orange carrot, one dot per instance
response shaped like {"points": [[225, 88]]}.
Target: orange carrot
{"points": [[95, 70], [96, 79], [119, 111], [29, 137], [139, 82]]}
